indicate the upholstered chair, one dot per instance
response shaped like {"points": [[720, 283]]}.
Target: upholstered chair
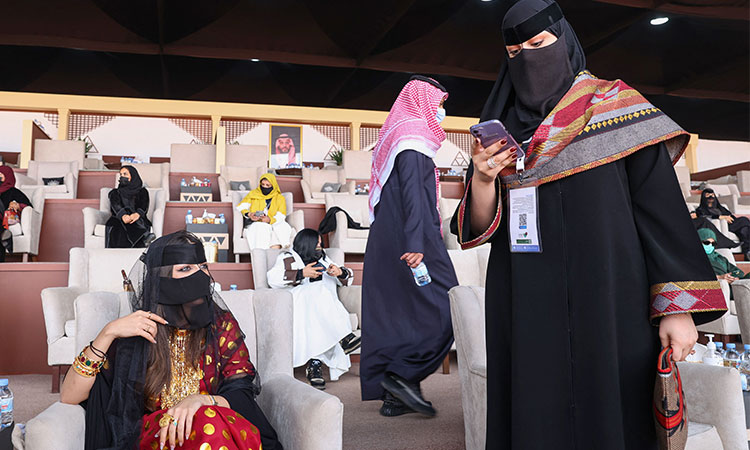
{"points": [[348, 239]]}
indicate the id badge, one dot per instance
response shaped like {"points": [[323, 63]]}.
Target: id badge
{"points": [[523, 220]]}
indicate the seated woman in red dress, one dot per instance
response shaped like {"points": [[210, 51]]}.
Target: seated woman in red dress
{"points": [[175, 373]]}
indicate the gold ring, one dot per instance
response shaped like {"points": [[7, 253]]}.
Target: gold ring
{"points": [[149, 315], [165, 420], [491, 163]]}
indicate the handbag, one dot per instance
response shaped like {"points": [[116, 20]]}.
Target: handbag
{"points": [[670, 409]]}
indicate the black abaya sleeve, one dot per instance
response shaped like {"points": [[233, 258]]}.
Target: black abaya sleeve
{"points": [[679, 273], [461, 221], [411, 173], [116, 206], [141, 202]]}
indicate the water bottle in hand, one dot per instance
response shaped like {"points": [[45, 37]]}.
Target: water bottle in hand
{"points": [[6, 404], [421, 275]]}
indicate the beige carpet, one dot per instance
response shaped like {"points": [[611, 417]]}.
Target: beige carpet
{"points": [[364, 428]]}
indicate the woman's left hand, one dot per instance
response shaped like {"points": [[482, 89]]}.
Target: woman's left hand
{"points": [[334, 270], [265, 219], [184, 413], [678, 331], [14, 206]]}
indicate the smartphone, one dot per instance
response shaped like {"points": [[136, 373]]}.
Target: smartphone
{"points": [[318, 265], [490, 132]]}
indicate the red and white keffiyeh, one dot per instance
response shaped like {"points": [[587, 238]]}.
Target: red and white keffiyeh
{"points": [[411, 125]]}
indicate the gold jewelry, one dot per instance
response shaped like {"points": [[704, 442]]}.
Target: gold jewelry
{"points": [[149, 315], [491, 163], [185, 380], [87, 367], [165, 420]]}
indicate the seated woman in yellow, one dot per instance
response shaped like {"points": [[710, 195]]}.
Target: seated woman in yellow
{"points": [[264, 213]]}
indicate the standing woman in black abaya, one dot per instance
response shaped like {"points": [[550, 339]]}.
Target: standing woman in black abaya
{"points": [[574, 326]]}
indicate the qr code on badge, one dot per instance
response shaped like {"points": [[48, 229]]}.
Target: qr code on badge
{"points": [[522, 220]]}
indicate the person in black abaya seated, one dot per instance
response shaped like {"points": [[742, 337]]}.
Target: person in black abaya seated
{"points": [[600, 293], [711, 208], [176, 371], [12, 202], [128, 227]]}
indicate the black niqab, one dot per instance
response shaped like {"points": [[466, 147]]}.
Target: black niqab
{"points": [[716, 209], [522, 108]]}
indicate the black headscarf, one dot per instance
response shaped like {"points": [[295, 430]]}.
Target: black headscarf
{"points": [[704, 209], [116, 404], [306, 246], [129, 189], [523, 94]]}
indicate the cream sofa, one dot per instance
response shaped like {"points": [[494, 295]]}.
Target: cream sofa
{"points": [[153, 175], [238, 155], [296, 219], [313, 180], [193, 158], [713, 394], [227, 174], [303, 417], [68, 170], [95, 220], [357, 164], [348, 239], [90, 270], [26, 235]]}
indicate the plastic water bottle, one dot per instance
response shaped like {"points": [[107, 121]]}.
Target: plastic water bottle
{"points": [[183, 182], [421, 275], [712, 357], [745, 368], [189, 216], [731, 357], [232, 287], [720, 349], [6, 404], [222, 219]]}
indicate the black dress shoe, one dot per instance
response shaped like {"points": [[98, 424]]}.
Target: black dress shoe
{"points": [[314, 372], [408, 393], [350, 343], [393, 407]]}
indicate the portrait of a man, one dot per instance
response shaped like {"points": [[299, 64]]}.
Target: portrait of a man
{"points": [[285, 145]]}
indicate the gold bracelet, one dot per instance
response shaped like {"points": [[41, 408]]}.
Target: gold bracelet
{"points": [[86, 367]]}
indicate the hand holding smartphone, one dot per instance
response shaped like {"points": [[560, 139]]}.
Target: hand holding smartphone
{"points": [[492, 131]]}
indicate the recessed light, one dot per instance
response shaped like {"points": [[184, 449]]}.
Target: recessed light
{"points": [[254, 60], [659, 21]]}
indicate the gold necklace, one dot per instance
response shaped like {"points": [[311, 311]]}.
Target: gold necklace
{"points": [[186, 378]]}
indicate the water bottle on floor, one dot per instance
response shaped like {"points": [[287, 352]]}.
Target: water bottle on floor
{"points": [[731, 357], [421, 275], [6, 404]]}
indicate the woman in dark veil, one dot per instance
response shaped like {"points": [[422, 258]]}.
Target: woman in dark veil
{"points": [[711, 208], [573, 329], [128, 227], [174, 372]]}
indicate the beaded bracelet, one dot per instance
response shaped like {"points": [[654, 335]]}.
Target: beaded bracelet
{"points": [[85, 366]]}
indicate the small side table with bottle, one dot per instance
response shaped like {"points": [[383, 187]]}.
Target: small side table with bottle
{"points": [[213, 231]]}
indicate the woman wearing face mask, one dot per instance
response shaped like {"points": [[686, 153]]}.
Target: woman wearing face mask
{"points": [[264, 213], [322, 330], [711, 208], [128, 227], [620, 272], [176, 371], [723, 269], [406, 328], [12, 200]]}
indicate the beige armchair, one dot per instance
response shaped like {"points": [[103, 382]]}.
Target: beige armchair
{"points": [[195, 158], [313, 180], [741, 303], [94, 221], [26, 235], [728, 324], [39, 170], [296, 219], [447, 208], [304, 417], [247, 155], [713, 394], [154, 176], [227, 174], [347, 239], [60, 151], [357, 164], [89, 270], [743, 180], [351, 296], [470, 265]]}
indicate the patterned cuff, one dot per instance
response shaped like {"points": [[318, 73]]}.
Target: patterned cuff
{"points": [[678, 297], [484, 237]]}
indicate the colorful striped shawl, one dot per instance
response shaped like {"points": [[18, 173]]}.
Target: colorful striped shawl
{"points": [[595, 123]]}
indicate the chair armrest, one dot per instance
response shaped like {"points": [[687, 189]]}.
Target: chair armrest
{"points": [[350, 187], [340, 234], [273, 325], [306, 192], [94, 310], [157, 223], [305, 417], [61, 426], [741, 290], [714, 396], [58, 308], [25, 180], [223, 188], [296, 220], [726, 290], [93, 217], [71, 182], [351, 298], [27, 217]]}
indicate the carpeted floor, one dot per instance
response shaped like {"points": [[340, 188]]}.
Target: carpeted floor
{"points": [[364, 427]]}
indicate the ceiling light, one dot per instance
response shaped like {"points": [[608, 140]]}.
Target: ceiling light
{"points": [[254, 60], [659, 21]]}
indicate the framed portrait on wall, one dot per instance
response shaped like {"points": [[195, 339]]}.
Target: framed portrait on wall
{"points": [[285, 145]]}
